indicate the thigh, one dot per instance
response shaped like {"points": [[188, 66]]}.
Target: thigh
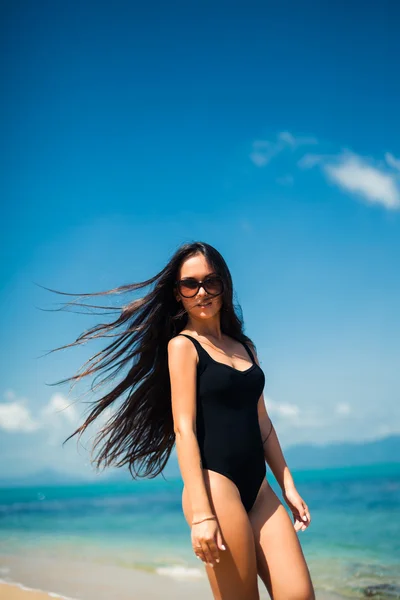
{"points": [[235, 576], [280, 560]]}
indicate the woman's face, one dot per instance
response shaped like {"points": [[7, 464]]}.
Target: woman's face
{"points": [[203, 305]]}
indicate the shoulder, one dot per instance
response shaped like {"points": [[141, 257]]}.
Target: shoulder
{"points": [[182, 356], [178, 342], [180, 348]]}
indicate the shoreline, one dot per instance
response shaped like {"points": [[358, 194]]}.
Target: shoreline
{"points": [[18, 591], [46, 578]]}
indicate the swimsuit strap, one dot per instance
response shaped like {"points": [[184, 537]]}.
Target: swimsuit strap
{"points": [[200, 350], [249, 351]]}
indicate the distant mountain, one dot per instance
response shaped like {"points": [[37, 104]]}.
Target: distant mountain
{"points": [[299, 457], [171, 471], [339, 454], [43, 477], [49, 477]]}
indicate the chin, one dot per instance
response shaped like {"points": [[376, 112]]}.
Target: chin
{"points": [[208, 314]]}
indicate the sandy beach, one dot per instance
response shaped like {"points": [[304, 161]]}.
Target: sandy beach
{"points": [[83, 580], [28, 578], [17, 592]]}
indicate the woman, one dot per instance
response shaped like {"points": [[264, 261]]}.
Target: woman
{"points": [[194, 378]]}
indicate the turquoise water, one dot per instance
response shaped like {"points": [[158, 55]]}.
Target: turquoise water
{"points": [[353, 541]]}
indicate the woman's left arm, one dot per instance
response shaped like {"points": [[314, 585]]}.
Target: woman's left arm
{"points": [[274, 457]]}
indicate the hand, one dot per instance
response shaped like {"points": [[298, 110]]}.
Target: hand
{"points": [[299, 508], [207, 541]]}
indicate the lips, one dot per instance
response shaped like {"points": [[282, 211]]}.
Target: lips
{"points": [[205, 304]]}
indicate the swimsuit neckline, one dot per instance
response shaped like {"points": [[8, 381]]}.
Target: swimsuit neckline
{"points": [[254, 364], [229, 366]]}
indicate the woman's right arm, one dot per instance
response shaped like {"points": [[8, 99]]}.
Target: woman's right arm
{"points": [[182, 364]]}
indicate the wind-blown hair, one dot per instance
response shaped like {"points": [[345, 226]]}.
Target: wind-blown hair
{"points": [[140, 430]]}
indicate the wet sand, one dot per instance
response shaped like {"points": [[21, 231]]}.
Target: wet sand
{"points": [[14, 592], [69, 580]]}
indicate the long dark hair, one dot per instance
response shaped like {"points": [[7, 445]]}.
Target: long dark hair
{"points": [[140, 431]]}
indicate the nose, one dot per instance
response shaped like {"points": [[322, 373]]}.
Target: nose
{"points": [[202, 291]]}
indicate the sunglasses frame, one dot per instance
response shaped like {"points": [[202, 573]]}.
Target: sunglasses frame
{"points": [[202, 283]]}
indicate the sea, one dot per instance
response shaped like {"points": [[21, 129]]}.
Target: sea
{"points": [[352, 545]]}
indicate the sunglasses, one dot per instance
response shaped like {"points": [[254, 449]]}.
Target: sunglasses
{"points": [[189, 287]]}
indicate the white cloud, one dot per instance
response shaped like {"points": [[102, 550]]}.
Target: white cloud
{"points": [[290, 418], [55, 420], [264, 150], [282, 409], [392, 161], [54, 417], [387, 429], [354, 174], [59, 406], [343, 408], [375, 182], [295, 142], [310, 160], [287, 138], [59, 418], [14, 416], [357, 175]]}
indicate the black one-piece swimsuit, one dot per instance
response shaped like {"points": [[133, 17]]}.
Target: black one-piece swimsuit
{"points": [[227, 425]]}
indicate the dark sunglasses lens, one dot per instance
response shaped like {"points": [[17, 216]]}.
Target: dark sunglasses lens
{"points": [[214, 285], [188, 287]]}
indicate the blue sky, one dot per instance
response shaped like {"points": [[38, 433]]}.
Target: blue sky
{"points": [[270, 131]]}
